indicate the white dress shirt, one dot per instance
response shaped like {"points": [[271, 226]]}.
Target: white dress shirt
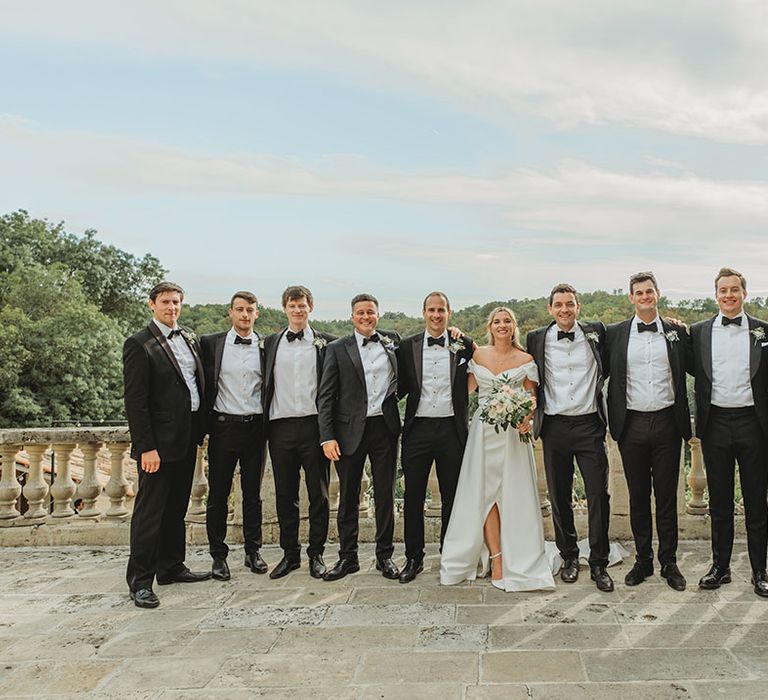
{"points": [[239, 391], [731, 383], [570, 373], [295, 378], [436, 399], [185, 360], [378, 371], [649, 375]]}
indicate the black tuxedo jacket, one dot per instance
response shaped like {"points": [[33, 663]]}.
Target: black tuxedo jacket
{"points": [[535, 343], [700, 366], [342, 399], [268, 368], [157, 400], [618, 345], [410, 355], [212, 350]]}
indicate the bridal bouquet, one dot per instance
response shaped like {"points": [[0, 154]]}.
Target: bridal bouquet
{"points": [[506, 405]]}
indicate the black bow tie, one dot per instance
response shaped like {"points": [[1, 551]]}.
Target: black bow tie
{"points": [[293, 336], [569, 335], [728, 321], [174, 333], [436, 341], [239, 340], [642, 327], [373, 339]]}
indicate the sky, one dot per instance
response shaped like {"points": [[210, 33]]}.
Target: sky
{"points": [[486, 148]]}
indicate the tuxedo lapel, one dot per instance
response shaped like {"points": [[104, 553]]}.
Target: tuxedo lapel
{"points": [[418, 360], [269, 360], [706, 348], [166, 347], [318, 356], [218, 353], [621, 371], [755, 348], [593, 346], [199, 373], [453, 361], [389, 348], [354, 355], [674, 358]]}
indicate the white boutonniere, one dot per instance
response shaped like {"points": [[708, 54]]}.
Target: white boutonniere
{"points": [[592, 337], [386, 341], [319, 342], [758, 334], [188, 335], [457, 345], [261, 343], [672, 336]]}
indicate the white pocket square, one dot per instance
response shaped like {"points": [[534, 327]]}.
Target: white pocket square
{"points": [[762, 345], [463, 360]]}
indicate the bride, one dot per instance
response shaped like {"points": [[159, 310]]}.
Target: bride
{"points": [[496, 517]]}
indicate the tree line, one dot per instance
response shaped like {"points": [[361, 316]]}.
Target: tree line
{"points": [[67, 302]]}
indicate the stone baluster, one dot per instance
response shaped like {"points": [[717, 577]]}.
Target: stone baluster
{"points": [[196, 510], [435, 507], [63, 487], [36, 488], [365, 501], [541, 478], [89, 488], [617, 483], [697, 480], [333, 490], [10, 488], [117, 486]]}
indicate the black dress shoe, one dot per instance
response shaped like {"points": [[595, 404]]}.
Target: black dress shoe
{"points": [[388, 568], [220, 570], [341, 569], [569, 572], [317, 567], [637, 574], [675, 579], [760, 582], [715, 577], [284, 567], [602, 579], [255, 563], [144, 598], [185, 576], [412, 568]]}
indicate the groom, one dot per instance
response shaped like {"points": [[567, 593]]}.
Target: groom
{"points": [[570, 418]]}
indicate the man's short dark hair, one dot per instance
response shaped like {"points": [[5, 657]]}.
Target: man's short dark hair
{"points": [[297, 292], [640, 277], [161, 287], [250, 297], [436, 294], [364, 297], [563, 288], [730, 272]]}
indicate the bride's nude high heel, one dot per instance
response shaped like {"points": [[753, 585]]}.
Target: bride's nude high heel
{"points": [[492, 557]]}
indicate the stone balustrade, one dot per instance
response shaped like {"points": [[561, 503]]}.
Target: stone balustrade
{"points": [[51, 507]]}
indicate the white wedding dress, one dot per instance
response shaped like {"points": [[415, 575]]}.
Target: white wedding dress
{"points": [[498, 468]]}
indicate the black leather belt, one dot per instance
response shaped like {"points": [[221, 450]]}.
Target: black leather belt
{"points": [[229, 418]]}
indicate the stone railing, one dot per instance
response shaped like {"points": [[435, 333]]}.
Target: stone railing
{"points": [[111, 503]]}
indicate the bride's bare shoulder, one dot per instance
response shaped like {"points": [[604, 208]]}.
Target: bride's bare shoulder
{"points": [[481, 353]]}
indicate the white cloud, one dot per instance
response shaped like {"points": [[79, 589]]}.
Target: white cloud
{"points": [[689, 67]]}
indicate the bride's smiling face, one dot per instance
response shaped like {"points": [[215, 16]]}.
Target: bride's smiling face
{"points": [[502, 326]]}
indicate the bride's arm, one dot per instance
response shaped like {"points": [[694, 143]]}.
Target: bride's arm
{"points": [[471, 382]]}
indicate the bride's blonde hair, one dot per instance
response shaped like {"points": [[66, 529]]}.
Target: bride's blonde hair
{"points": [[515, 334]]}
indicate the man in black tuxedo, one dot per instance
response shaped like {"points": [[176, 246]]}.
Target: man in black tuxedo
{"points": [[233, 361], [570, 418], [163, 387], [728, 359], [293, 368], [433, 375], [649, 419], [357, 406]]}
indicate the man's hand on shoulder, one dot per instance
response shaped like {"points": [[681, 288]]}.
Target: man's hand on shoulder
{"points": [[150, 461]]}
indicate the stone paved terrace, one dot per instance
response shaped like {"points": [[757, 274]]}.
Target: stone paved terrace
{"points": [[68, 629]]}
